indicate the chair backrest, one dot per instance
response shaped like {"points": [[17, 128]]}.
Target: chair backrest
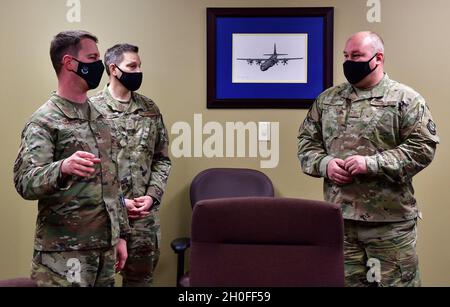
{"points": [[229, 182], [266, 242], [18, 282]]}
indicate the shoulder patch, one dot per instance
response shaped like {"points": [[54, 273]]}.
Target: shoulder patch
{"points": [[431, 127]]}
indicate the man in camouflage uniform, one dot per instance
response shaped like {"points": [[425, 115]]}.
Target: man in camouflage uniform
{"points": [[368, 138], [66, 161], [144, 163]]}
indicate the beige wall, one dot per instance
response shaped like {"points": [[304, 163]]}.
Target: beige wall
{"points": [[171, 34]]}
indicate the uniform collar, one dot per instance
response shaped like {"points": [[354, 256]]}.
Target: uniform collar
{"points": [[378, 91], [70, 108], [134, 105]]}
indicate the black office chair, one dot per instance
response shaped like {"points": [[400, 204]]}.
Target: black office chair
{"points": [[217, 183]]}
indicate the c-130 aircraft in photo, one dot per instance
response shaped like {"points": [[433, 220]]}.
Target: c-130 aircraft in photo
{"points": [[265, 64]]}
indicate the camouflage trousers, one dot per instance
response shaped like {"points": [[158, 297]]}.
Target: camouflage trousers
{"points": [[143, 252], [93, 268], [381, 254], [139, 268]]}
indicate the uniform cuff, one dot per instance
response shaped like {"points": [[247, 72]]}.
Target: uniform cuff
{"points": [[63, 183], [156, 194], [372, 165], [323, 166], [155, 202]]}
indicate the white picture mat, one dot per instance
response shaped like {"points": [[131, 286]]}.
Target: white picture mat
{"points": [[254, 46]]}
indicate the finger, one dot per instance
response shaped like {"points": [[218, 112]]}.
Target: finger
{"points": [[84, 169], [349, 162], [139, 204], [351, 168], [83, 161], [129, 202], [133, 217], [355, 171], [340, 162], [350, 158], [340, 167], [145, 213], [347, 179], [141, 209], [342, 172], [85, 154], [342, 178], [130, 208], [95, 160], [121, 265]]}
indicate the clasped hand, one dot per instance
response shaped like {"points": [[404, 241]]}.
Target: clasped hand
{"points": [[343, 171], [138, 207]]}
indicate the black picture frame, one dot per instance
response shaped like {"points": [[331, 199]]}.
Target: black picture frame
{"points": [[300, 100]]}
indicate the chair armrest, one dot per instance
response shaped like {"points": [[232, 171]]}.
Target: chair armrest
{"points": [[179, 245]]}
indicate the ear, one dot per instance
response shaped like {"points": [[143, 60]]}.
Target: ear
{"points": [[113, 71], [380, 58], [69, 63]]}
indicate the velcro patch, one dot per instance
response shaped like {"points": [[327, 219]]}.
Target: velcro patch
{"points": [[148, 114], [431, 127]]}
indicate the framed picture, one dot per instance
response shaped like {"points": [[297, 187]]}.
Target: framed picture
{"points": [[268, 57]]}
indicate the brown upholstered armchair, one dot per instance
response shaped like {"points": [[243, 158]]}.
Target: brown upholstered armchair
{"points": [[18, 282], [266, 242]]}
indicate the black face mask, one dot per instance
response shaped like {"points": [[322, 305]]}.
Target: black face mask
{"points": [[90, 72], [131, 80], [357, 71]]}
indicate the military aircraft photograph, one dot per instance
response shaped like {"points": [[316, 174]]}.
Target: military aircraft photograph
{"points": [[269, 57], [266, 63]]}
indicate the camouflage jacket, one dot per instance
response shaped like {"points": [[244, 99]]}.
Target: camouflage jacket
{"points": [[85, 213], [144, 163], [391, 126]]}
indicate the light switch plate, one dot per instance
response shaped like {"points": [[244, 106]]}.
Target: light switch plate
{"points": [[263, 131]]}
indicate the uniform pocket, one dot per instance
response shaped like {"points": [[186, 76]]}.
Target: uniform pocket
{"points": [[409, 269], [146, 132], [407, 259], [383, 127], [66, 145], [333, 119]]}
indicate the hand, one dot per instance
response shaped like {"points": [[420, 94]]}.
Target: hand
{"points": [[121, 255], [337, 173], [143, 205], [356, 165], [79, 164], [138, 207], [131, 209]]}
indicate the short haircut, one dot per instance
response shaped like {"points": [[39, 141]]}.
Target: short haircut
{"points": [[67, 42], [114, 55], [377, 42]]}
